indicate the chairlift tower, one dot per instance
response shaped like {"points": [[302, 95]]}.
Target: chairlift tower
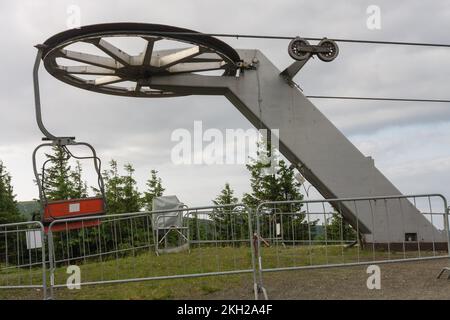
{"points": [[266, 96]]}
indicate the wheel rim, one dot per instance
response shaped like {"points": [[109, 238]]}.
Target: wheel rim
{"points": [[332, 53], [295, 49], [120, 73]]}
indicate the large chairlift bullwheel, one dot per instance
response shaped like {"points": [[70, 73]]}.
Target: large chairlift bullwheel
{"points": [[88, 57]]}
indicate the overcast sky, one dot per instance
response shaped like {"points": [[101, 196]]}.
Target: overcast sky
{"points": [[409, 141]]}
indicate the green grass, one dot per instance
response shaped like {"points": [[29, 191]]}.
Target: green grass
{"points": [[146, 263], [292, 256]]}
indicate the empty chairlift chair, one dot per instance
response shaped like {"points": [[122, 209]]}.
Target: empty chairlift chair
{"points": [[70, 208], [171, 235]]}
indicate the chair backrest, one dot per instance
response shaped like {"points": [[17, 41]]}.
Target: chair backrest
{"points": [[169, 219]]}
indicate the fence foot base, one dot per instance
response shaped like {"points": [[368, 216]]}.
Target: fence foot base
{"points": [[259, 289], [442, 272]]}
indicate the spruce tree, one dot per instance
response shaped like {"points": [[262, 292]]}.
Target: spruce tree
{"points": [[227, 221], [113, 188], [57, 183], [270, 183], [154, 189], [226, 196], [9, 212], [122, 194], [131, 195], [276, 183], [79, 186]]}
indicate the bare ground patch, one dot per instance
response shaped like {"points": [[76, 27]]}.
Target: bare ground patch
{"points": [[407, 280]]}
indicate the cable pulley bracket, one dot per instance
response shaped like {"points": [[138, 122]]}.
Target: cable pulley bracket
{"points": [[248, 65], [300, 49]]}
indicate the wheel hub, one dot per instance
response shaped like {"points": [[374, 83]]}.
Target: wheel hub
{"points": [[140, 73]]}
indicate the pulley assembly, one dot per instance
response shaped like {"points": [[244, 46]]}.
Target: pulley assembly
{"points": [[299, 49]]}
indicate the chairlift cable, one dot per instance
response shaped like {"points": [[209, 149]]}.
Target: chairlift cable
{"points": [[377, 99], [276, 37]]}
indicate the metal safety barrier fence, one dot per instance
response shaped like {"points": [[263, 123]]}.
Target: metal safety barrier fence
{"points": [[23, 258], [294, 235], [123, 248], [222, 240]]}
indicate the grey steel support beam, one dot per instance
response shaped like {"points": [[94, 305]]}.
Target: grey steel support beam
{"points": [[326, 158]]}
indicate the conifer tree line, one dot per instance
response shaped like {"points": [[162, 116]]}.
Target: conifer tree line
{"points": [[61, 181]]}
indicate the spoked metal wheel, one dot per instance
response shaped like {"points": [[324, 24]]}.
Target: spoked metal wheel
{"points": [[297, 50], [88, 59], [332, 50]]}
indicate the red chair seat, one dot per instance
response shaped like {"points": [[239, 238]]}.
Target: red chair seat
{"points": [[73, 208]]}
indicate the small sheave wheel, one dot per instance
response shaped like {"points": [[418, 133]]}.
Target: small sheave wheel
{"points": [[296, 49], [332, 50]]}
